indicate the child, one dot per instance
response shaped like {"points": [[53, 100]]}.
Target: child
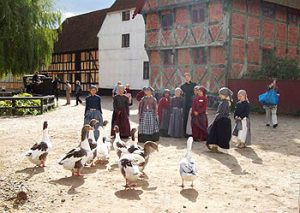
{"points": [[189, 120], [176, 128], [164, 113], [241, 132], [93, 109], [148, 126], [120, 115], [271, 110], [219, 132], [199, 116]]}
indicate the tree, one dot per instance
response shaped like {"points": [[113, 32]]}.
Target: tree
{"points": [[27, 35], [279, 68]]}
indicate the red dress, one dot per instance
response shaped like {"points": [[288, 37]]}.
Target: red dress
{"points": [[200, 121], [164, 115]]}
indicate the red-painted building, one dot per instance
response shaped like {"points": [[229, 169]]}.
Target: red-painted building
{"points": [[217, 40]]}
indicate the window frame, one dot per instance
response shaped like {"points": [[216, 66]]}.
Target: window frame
{"points": [[199, 13], [168, 57], [125, 40], [126, 15], [195, 55], [146, 70], [167, 21]]}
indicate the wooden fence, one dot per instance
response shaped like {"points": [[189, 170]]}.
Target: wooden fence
{"points": [[46, 103]]}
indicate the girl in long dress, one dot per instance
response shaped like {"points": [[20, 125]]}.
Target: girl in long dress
{"points": [[148, 125], [219, 132], [120, 115], [164, 113], [176, 128], [241, 133], [199, 115]]}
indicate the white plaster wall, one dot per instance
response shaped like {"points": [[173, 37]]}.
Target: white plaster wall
{"points": [[117, 63]]}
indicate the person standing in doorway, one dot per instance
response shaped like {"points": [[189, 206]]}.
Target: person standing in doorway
{"points": [[271, 110], [78, 91], [188, 91], [68, 92]]}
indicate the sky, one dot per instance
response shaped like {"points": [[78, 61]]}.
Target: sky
{"points": [[70, 8]]}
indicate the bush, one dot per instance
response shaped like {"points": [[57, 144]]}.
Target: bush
{"points": [[20, 103], [279, 68]]}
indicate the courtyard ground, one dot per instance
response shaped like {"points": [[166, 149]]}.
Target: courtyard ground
{"points": [[262, 178]]}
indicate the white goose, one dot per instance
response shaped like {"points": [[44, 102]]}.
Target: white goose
{"points": [[75, 159], [130, 169], [103, 144], [188, 170], [39, 151], [119, 145]]}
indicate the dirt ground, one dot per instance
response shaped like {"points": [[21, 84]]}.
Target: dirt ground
{"points": [[262, 178]]}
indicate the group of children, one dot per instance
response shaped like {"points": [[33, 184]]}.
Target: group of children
{"points": [[167, 117], [219, 134]]}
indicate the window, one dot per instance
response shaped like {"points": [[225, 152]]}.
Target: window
{"points": [[126, 15], [198, 55], [292, 16], [266, 55], [146, 70], [268, 10], [168, 57], [125, 40], [198, 15], [167, 21]]}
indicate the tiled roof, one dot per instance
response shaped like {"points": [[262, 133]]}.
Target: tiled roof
{"points": [[80, 32]]}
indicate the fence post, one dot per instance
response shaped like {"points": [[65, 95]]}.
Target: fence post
{"points": [[13, 106], [42, 105]]}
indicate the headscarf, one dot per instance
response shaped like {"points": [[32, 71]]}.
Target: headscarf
{"points": [[243, 93], [226, 92], [166, 91], [203, 89]]}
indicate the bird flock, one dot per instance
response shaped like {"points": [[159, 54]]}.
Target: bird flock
{"points": [[132, 158]]}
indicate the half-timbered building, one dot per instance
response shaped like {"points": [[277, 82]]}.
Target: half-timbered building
{"points": [[76, 55], [216, 40]]}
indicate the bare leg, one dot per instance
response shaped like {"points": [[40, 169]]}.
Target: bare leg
{"points": [[192, 185]]}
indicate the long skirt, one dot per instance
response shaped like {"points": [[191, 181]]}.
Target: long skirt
{"points": [[242, 131], [164, 123], [121, 119], [176, 129], [148, 128], [219, 133], [189, 124], [199, 127], [94, 114]]}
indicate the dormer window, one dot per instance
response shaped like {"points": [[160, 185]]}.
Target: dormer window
{"points": [[126, 15]]}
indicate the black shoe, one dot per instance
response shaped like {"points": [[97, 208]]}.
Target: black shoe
{"points": [[267, 124], [275, 125]]}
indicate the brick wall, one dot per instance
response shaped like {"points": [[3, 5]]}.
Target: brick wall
{"points": [[253, 30], [182, 37]]}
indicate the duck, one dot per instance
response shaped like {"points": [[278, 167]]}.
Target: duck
{"points": [[143, 152], [103, 144], [129, 169], [76, 158], [39, 151], [119, 145], [187, 165]]}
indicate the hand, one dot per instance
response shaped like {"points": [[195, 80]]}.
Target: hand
{"points": [[196, 113]]}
